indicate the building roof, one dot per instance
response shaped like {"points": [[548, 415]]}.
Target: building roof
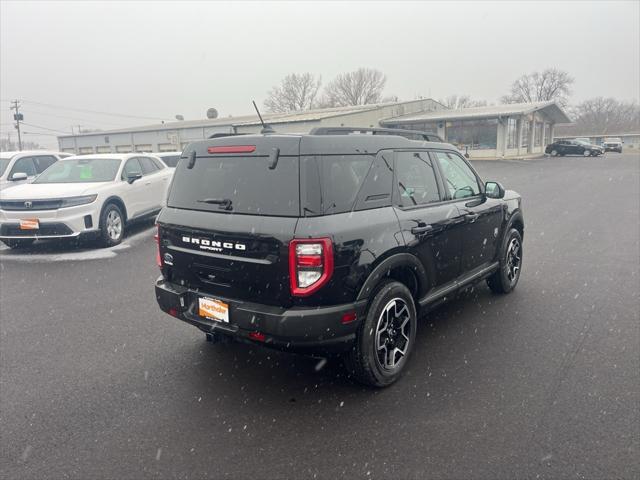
{"points": [[590, 134], [244, 120], [550, 108]]}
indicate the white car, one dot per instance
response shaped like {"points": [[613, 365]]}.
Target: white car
{"points": [[20, 167], [170, 159], [84, 195]]}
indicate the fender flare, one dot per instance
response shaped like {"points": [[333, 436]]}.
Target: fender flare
{"points": [[397, 260], [516, 216], [117, 200]]}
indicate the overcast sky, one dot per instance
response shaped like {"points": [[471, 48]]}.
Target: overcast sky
{"points": [[157, 59]]}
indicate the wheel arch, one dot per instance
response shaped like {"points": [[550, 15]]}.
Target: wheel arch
{"points": [[116, 200], [516, 221], [403, 267]]}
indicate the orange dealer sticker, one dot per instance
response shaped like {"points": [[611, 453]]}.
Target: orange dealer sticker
{"points": [[29, 224], [213, 309]]}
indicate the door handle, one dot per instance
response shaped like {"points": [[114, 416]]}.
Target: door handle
{"points": [[471, 217], [148, 183], [420, 229]]}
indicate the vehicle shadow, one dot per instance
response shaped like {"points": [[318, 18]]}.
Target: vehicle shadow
{"points": [[74, 245], [256, 372]]}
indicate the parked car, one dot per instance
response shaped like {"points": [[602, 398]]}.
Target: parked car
{"points": [[573, 147], [20, 167], [170, 159], [612, 144], [84, 195], [330, 243]]}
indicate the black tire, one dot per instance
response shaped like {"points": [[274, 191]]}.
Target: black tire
{"points": [[554, 153], [109, 234], [17, 243], [586, 153], [505, 279], [398, 333]]}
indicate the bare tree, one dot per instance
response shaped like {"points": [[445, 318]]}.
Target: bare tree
{"points": [[461, 101], [604, 116], [297, 91], [550, 84], [360, 87]]}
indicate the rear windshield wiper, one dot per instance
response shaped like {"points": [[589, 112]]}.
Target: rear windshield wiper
{"points": [[225, 203]]}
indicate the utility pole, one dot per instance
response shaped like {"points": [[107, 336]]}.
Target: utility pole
{"points": [[18, 117]]}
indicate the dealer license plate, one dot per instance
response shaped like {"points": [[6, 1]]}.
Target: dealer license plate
{"points": [[29, 224], [213, 309]]}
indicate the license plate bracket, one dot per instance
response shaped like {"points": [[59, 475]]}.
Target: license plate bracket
{"points": [[213, 309]]}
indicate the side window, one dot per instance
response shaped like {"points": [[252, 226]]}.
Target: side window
{"points": [[132, 166], [416, 179], [377, 186], [148, 166], [159, 165], [24, 165], [43, 162], [341, 179], [458, 176]]}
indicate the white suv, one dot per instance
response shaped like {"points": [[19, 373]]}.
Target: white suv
{"points": [[19, 167], [83, 195]]}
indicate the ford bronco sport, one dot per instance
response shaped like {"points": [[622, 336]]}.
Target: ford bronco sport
{"points": [[330, 244]]}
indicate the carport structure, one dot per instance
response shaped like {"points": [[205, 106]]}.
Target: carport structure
{"points": [[513, 130]]}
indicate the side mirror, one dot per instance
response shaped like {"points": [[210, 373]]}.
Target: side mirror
{"points": [[493, 190], [132, 177], [18, 176]]}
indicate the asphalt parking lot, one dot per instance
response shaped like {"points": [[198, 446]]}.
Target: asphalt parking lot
{"points": [[96, 382]]}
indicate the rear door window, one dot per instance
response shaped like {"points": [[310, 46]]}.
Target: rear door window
{"points": [[416, 181], [245, 181], [147, 166], [131, 167], [42, 162]]}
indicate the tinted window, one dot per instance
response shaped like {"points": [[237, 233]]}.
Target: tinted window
{"points": [[377, 186], [459, 178], [43, 162], [132, 167], [170, 160], [147, 165], [24, 165], [80, 171], [247, 182], [416, 179], [341, 177]]}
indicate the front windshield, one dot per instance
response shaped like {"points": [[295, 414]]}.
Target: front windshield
{"points": [[4, 163], [81, 170]]}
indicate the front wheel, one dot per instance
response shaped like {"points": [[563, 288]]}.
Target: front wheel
{"points": [[587, 153], [505, 279], [385, 338], [111, 225], [554, 153]]}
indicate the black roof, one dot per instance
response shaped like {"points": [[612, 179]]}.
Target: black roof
{"points": [[309, 144]]}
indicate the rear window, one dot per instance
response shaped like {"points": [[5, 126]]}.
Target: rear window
{"points": [[247, 182], [171, 161]]}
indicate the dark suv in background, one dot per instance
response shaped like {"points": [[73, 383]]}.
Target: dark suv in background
{"points": [[329, 244]]}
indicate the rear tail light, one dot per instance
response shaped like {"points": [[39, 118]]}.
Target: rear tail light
{"points": [[310, 265], [157, 238], [232, 149]]}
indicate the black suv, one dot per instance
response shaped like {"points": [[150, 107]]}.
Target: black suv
{"points": [[330, 243]]}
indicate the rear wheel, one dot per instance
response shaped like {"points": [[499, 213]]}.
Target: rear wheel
{"points": [[587, 153], [17, 243], [554, 153], [111, 225], [385, 338], [505, 279]]}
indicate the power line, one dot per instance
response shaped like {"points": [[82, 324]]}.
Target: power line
{"points": [[44, 114], [61, 107], [45, 128]]}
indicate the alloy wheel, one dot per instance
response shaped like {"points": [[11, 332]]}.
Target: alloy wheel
{"points": [[393, 333], [114, 225], [514, 258]]}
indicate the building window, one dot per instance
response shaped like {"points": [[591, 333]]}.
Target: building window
{"points": [[431, 127], [537, 141], [86, 150], [167, 147], [512, 133], [525, 130], [69, 150], [123, 148], [144, 148], [103, 149], [547, 134], [474, 134]]}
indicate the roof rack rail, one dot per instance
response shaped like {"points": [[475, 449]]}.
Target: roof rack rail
{"points": [[410, 134], [220, 135]]}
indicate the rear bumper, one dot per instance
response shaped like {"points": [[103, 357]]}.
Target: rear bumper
{"points": [[304, 330]]}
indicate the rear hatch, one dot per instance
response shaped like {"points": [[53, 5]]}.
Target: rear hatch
{"points": [[230, 216]]}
